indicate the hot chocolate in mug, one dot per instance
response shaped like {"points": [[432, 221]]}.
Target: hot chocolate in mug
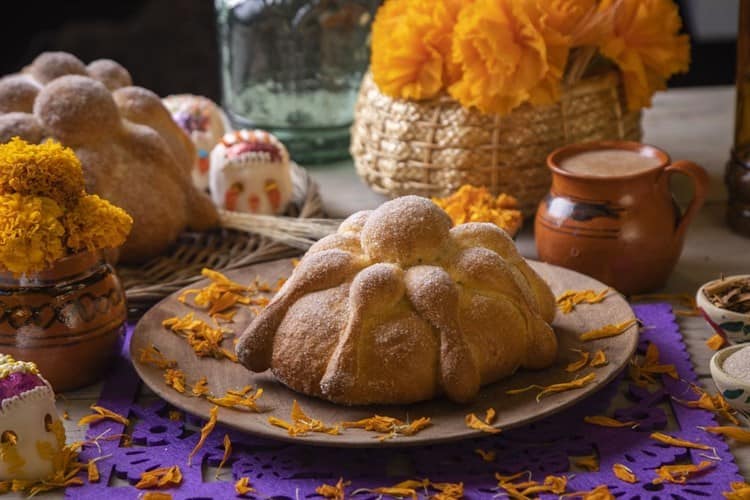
{"points": [[610, 213]]}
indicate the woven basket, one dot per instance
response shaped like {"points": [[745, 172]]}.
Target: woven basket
{"points": [[431, 148], [230, 247]]}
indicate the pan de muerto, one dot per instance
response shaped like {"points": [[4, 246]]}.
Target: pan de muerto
{"points": [[132, 153], [398, 307]]}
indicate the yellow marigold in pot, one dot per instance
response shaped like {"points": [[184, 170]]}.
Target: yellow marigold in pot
{"points": [[47, 169], [31, 235], [411, 47], [94, 223], [45, 213], [645, 43]]}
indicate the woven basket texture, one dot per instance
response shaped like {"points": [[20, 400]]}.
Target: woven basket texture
{"points": [[431, 148]]}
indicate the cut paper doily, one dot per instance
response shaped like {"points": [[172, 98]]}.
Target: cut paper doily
{"points": [[292, 471]]}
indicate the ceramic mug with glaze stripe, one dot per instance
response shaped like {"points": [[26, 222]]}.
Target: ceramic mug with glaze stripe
{"points": [[622, 228]]}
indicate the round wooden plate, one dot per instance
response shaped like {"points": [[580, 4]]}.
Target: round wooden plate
{"points": [[447, 417]]}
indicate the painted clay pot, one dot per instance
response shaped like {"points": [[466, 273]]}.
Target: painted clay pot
{"points": [[66, 319], [626, 231]]}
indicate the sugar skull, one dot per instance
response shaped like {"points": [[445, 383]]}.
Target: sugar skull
{"points": [[204, 122], [250, 173], [32, 435]]}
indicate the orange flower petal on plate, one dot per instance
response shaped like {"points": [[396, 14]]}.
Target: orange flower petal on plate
{"points": [[580, 362], [569, 299], [598, 359], [601, 492], [611, 330], [474, 422]]}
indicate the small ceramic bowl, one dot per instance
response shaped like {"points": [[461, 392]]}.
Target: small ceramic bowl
{"points": [[734, 390], [733, 326]]}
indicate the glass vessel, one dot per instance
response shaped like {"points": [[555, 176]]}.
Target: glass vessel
{"points": [[738, 169], [293, 67]]}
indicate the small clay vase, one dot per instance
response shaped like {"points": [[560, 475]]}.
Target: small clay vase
{"points": [[66, 319], [626, 231]]}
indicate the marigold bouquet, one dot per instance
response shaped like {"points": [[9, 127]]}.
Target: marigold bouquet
{"points": [[45, 212], [494, 55]]}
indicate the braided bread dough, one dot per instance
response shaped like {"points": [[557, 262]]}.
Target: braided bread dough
{"points": [[398, 307]]}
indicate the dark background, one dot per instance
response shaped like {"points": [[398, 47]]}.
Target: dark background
{"points": [[170, 46]]}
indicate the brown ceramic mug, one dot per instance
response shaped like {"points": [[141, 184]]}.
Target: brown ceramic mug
{"points": [[623, 229]]}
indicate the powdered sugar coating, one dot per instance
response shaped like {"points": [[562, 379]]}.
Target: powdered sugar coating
{"points": [[397, 307]]}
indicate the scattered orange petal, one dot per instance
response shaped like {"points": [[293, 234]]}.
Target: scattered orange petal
{"points": [[92, 471], [610, 330], [335, 492], [623, 473], [102, 413], [601, 492], [164, 477], [487, 456], [242, 486], [153, 356], [589, 463], [673, 441], [739, 435], [301, 424], [569, 299], [679, 474], [175, 378], [598, 359], [716, 342], [740, 491], [554, 388], [603, 421], [474, 422], [225, 456], [580, 363], [389, 427], [205, 431]]}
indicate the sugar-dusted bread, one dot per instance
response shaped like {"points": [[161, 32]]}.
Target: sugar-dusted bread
{"points": [[133, 154], [398, 307]]}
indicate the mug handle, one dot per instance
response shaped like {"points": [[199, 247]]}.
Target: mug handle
{"points": [[700, 180]]}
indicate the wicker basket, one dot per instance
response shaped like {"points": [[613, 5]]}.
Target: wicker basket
{"points": [[433, 147]]}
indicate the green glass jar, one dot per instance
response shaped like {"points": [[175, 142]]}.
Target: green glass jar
{"points": [[293, 67]]}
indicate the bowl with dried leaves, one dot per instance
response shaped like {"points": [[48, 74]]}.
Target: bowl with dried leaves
{"points": [[725, 304], [730, 370]]}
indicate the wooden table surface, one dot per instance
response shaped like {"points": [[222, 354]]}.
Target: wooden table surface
{"points": [[694, 124]]}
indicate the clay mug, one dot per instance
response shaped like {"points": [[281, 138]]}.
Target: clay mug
{"points": [[624, 229]]}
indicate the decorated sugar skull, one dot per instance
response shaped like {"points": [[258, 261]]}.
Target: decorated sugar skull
{"points": [[31, 433], [204, 122], [250, 173]]}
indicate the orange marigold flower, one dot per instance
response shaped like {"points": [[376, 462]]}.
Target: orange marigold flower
{"points": [[502, 54], [646, 45], [411, 47]]}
